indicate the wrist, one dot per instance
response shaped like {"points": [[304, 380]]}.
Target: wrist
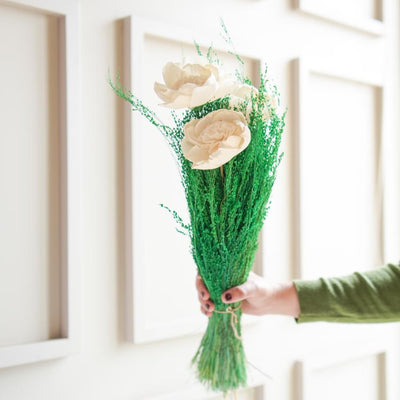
{"points": [[284, 300]]}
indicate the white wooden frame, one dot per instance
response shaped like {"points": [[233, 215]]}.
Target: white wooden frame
{"points": [[135, 31], [304, 368], [370, 26], [67, 13], [200, 393], [301, 71]]}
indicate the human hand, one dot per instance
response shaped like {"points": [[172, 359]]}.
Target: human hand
{"points": [[257, 297]]}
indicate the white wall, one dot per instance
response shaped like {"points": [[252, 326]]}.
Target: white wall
{"points": [[107, 367]]}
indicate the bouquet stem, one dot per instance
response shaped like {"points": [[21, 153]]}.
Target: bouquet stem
{"points": [[221, 170], [220, 359]]}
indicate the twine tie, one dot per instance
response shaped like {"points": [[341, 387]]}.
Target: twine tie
{"points": [[234, 319]]}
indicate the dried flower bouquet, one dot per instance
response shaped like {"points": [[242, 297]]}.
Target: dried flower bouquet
{"points": [[226, 143]]}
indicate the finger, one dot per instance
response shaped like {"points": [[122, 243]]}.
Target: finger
{"points": [[239, 293], [205, 311], [201, 288], [204, 302], [209, 306]]}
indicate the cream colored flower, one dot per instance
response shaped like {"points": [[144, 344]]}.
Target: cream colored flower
{"points": [[191, 85], [188, 85], [215, 139], [241, 98]]}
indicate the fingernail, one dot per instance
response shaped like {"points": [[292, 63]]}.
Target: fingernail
{"points": [[202, 294], [207, 306], [228, 297]]}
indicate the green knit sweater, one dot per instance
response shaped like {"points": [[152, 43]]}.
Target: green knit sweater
{"points": [[371, 296]]}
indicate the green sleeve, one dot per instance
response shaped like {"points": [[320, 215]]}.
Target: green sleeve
{"points": [[371, 296]]}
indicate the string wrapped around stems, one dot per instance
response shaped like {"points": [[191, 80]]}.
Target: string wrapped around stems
{"points": [[234, 319]]}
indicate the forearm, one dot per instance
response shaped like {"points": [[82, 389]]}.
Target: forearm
{"points": [[371, 296]]}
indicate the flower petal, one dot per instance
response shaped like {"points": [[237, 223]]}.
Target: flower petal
{"points": [[225, 88], [202, 94], [173, 75], [193, 153], [245, 91], [196, 73], [163, 92], [179, 102], [234, 142]]}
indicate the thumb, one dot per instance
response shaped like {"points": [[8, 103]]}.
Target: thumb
{"points": [[239, 293]]}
